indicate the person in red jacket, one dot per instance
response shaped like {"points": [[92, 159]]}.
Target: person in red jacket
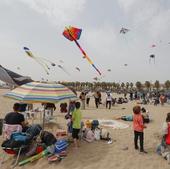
{"points": [[138, 126]]}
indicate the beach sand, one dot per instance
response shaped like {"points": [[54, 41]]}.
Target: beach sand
{"points": [[99, 154]]}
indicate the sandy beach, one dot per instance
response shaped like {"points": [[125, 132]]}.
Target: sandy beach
{"points": [[60, 48], [99, 154]]}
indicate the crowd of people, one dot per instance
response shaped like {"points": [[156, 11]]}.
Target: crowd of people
{"points": [[109, 101], [154, 98], [140, 118]]}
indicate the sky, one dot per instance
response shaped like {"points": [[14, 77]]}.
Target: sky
{"points": [[39, 24]]}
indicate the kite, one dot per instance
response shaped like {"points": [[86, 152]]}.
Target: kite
{"points": [[29, 53], [98, 79], [39, 60], [95, 78], [73, 34], [12, 78], [61, 67], [109, 70], [43, 59], [77, 68], [152, 56], [125, 64], [52, 64], [124, 30], [153, 46]]}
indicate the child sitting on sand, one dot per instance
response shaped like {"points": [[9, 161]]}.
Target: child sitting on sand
{"points": [[145, 114], [138, 126]]}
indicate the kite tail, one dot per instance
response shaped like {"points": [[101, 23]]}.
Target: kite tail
{"points": [[45, 60], [96, 69], [80, 48], [42, 64], [85, 55], [45, 64]]}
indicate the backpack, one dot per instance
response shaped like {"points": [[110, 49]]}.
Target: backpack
{"points": [[11, 144], [60, 146], [24, 138], [47, 138], [34, 130]]}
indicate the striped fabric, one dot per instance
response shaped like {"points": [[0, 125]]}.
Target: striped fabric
{"points": [[36, 92]]}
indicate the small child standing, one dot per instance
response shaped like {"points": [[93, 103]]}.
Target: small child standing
{"points": [[76, 119], [138, 126]]}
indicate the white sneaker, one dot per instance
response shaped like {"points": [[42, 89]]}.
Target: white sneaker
{"points": [[110, 142]]}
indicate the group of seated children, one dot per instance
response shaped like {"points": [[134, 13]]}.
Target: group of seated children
{"points": [[145, 114]]}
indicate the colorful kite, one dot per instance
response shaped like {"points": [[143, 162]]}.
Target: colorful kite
{"points": [[77, 68], [73, 34], [42, 61], [124, 30]]}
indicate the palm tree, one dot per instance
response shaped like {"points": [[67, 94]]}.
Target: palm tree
{"points": [[148, 85], [138, 85], [117, 87], [157, 84], [122, 85], [167, 84], [131, 85], [127, 85]]}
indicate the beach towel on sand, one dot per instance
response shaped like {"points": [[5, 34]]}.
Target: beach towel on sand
{"points": [[113, 124]]}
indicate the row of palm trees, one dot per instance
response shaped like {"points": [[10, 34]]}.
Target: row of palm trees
{"points": [[119, 86]]}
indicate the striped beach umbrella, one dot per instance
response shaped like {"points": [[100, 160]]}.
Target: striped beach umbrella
{"points": [[37, 92]]}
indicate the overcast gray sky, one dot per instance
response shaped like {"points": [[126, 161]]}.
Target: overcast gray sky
{"points": [[38, 24]]}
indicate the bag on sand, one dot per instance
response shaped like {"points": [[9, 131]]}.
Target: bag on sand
{"points": [[47, 138], [34, 130], [60, 146]]}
